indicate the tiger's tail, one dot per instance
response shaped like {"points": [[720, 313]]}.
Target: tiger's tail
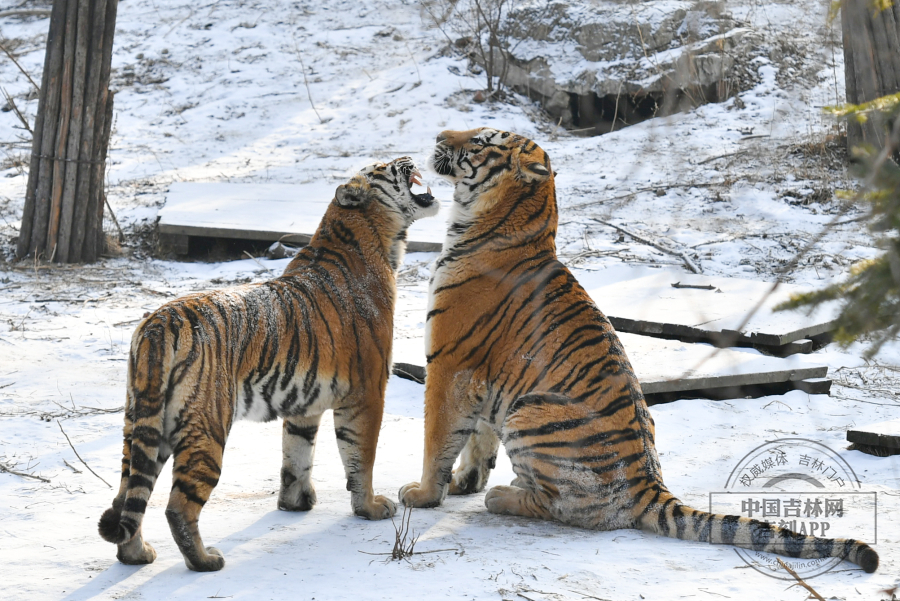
{"points": [[668, 516], [143, 432]]}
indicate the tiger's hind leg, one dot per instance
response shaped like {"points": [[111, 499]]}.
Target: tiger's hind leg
{"points": [[532, 418], [477, 459], [356, 427], [298, 444], [512, 500], [137, 551], [196, 470], [139, 475]]}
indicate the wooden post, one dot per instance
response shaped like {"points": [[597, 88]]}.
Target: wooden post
{"points": [[871, 62], [64, 199]]}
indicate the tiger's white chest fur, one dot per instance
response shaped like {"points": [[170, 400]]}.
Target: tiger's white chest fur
{"points": [[445, 272]]}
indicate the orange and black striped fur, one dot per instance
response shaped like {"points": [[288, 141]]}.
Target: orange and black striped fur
{"points": [[316, 338], [516, 347]]}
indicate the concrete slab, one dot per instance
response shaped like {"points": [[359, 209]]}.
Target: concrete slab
{"points": [[883, 434], [674, 304], [671, 366], [265, 212]]}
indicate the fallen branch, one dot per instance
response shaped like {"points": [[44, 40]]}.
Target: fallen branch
{"points": [[257, 262], [677, 253], [13, 59], [115, 221], [723, 156], [800, 580], [34, 12], [585, 595], [79, 456], [12, 105], [648, 189], [693, 286], [306, 83], [6, 468], [64, 412], [417, 552]]}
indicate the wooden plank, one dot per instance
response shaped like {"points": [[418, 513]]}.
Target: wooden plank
{"points": [[38, 237], [883, 434], [268, 212], [57, 21], [644, 301], [671, 366], [98, 126], [62, 131], [67, 207]]}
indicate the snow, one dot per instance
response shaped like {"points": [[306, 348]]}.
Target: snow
{"points": [[215, 92]]}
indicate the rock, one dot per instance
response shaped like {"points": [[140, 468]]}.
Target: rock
{"points": [[276, 251], [570, 56]]}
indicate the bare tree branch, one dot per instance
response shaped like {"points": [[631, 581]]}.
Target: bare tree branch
{"points": [[79, 456], [6, 468], [21, 68]]}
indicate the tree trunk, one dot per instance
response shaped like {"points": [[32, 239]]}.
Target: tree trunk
{"points": [[64, 198], [871, 63]]}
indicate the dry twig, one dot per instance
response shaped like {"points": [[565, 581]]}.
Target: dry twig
{"points": [[800, 580], [257, 262], [12, 105], [401, 550], [306, 82], [20, 12], [13, 59], [79, 456], [678, 253], [4, 467]]}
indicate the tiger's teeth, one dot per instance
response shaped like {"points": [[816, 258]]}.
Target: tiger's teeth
{"points": [[429, 191]]}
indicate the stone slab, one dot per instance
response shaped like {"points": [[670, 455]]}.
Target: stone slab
{"points": [[644, 301], [267, 212], [883, 434]]}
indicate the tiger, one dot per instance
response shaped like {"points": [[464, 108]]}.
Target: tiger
{"points": [[319, 337], [517, 351]]}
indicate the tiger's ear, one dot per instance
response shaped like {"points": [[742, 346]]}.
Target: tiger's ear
{"points": [[538, 168], [534, 171], [350, 197]]}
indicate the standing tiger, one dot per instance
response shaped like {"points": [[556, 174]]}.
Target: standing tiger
{"points": [[516, 347], [316, 338]]}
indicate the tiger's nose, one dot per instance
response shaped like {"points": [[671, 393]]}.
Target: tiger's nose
{"points": [[440, 138]]}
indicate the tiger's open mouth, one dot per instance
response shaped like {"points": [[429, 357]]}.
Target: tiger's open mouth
{"points": [[413, 176]]}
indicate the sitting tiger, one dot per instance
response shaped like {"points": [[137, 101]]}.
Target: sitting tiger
{"points": [[516, 347], [318, 337]]}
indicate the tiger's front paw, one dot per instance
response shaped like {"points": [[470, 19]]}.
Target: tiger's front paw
{"points": [[297, 497], [469, 480], [413, 495], [211, 560], [136, 552], [379, 508]]}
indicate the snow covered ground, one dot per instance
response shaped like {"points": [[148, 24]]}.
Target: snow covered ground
{"points": [[215, 91]]}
